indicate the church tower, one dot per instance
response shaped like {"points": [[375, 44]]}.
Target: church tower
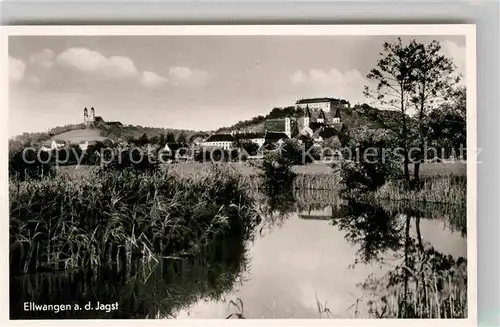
{"points": [[336, 117], [88, 120], [307, 117]]}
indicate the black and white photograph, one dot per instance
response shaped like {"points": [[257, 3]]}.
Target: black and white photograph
{"points": [[241, 172]]}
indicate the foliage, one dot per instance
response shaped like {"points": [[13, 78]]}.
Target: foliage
{"points": [[368, 161], [447, 124], [277, 172], [30, 164], [248, 146]]}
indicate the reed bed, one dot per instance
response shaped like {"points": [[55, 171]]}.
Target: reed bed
{"points": [[439, 189], [431, 292], [63, 223], [144, 290]]}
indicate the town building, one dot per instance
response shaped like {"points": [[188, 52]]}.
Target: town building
{"points": [[256, 137], [221, 141], [320, 124], [53, 145]]}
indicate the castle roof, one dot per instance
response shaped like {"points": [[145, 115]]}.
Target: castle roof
{"points": [[322, 114], [272, 136], [220, 138], [319, 100], [247, 136], [116, 123], [328, 132]]}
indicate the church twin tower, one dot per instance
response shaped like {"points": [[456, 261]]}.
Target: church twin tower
{"points": [[89, 120]]}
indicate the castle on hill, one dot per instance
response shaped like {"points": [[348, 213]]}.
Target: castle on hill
{"points": [[320, 118]]}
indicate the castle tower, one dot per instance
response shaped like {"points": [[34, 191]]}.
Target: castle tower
{"points": [[321, 117], [307, 116], [85, 116], [336, 117], [88, 120]]}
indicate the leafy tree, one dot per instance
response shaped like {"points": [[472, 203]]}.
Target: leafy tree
{"points": [[181, 139], [434, 81], [162, 139], [250, 147], [366, 163], [396, 76], [143, 140], [170, 137], [447, 124]]}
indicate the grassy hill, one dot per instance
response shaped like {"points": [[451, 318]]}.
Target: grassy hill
{"points": [[80, 136]]}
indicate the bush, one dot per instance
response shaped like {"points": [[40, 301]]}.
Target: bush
{"points": [[277, 172], [29, 164], [370, 161]]}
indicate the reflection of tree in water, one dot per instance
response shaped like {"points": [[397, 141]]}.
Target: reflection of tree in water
{"points": [[371, 227], [275, 206], [142, 290], [421, 282]]}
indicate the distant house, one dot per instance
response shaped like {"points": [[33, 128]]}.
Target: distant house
{"points": [[222, 141], [53, 145], [84, 146]]}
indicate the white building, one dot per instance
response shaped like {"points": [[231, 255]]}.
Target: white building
{"points": [[53, 146], [325, 104], [221, 141]]}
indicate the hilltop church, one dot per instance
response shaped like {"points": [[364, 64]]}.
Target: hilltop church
{"points": [[91, 120]]}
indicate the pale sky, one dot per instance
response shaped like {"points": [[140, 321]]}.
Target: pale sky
{"points": [[185, 82]]}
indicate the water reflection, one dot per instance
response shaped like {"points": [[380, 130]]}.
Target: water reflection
{"points": [[316, 256], [142, 290], [323, 257], [421, 282]]}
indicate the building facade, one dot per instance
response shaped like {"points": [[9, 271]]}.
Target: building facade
{"points": [[325, 104], [89, 120], [221, 141]]}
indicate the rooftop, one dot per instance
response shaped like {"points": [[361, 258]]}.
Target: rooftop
{"points": [[220, 138], [318, 100]]}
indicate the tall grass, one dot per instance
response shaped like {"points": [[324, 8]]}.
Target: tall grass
{"points": [[433, 290], [63, 223], [439, 189]]}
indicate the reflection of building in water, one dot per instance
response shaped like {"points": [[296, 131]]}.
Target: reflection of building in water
{"points": [[320, 214]]}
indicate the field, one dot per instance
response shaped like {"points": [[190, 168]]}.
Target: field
{"points": [[249, 169], [80, 136]]}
